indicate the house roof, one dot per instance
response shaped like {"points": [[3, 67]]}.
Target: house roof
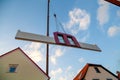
{"points": [[115, 2], [26, 56], [82, 73]]}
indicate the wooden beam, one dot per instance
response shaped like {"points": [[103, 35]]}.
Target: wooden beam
{"points": [[50, 40]]}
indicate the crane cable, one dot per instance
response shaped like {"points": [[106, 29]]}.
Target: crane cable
{"points": [[58, 24]]}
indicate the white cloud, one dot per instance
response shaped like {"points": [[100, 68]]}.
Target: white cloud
{"points": [[33, 51], [62, 78], [58, 53], [114, 30], [79, 20], [56, 72], [53, 59], [103, 12], [85, 37], [68, 68], [62, 74], [81, 60], [69, 74], [118, 13]]}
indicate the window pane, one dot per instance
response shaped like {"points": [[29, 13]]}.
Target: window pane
{"points": [[12, 67], [71, 41], [61, 40], [97, 70]]}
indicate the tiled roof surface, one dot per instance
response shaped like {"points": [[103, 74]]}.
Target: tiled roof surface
{"points": [[116, 2]]}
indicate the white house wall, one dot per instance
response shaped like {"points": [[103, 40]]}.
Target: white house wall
{"points": [[26, 70], [104, 75]]}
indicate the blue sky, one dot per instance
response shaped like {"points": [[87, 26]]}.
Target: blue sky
{"points": [[95, 22]]}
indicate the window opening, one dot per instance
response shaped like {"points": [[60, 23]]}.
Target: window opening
{"points": [[61, 39], [97, 70], [12, 67], [71, 41]]}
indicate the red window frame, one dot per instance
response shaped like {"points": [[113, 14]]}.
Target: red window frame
{"points": [[66, 40]]}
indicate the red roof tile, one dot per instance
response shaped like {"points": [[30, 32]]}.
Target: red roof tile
{"points": [[116, 2], [82, 73]]}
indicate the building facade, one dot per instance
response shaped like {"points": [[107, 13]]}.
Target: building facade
{"points": [[16, 65], [95, 72]]}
